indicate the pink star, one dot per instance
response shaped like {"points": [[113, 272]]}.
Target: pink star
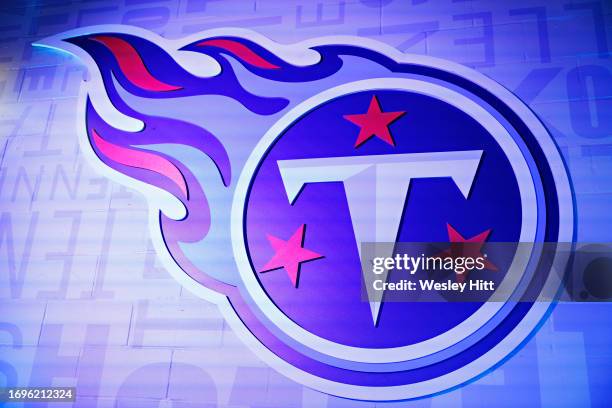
{"points": [[374, 122], [290, 254], [470, 247]]}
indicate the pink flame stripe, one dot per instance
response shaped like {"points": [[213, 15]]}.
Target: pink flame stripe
{"points": [[132, 65], [140, 159], [241, 51]]}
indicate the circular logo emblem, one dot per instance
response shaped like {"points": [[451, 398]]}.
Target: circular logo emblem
{"points": [[392, 160]]}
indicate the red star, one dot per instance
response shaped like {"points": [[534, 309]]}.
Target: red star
{"points": [[290, 254], [471, 247], [374, 122]]}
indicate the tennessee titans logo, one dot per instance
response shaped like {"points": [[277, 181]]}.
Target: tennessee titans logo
{"points": [[266, 166]]}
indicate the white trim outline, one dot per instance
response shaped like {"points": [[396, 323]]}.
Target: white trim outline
{"points": [[301, 54]]}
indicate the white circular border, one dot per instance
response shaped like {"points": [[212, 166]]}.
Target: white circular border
{"points": [[392, 354], [292, 54]]}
